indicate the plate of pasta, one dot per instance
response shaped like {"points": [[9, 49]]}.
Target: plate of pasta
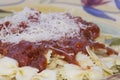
{"points": [[56, 46], [59, 40]]}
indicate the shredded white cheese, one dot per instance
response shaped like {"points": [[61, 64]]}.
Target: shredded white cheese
{"points": [[50, 26]]}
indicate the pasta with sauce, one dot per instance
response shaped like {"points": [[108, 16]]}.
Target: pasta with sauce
{"points": [[53, 46]]}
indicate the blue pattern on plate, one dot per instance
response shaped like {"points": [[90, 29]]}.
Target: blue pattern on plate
{"points": [[117, 2], [97, 13], [90, 4]]}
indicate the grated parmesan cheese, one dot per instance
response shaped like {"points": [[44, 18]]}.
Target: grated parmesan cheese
{"points": [[50, 26]]}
